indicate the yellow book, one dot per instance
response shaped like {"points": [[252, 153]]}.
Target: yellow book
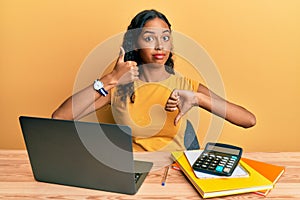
{"points": [[223, 186]]}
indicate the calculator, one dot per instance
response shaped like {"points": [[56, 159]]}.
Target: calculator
{"points": [[218, 159]]}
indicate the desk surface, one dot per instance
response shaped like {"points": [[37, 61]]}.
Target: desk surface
{"points": [[17, 182]]}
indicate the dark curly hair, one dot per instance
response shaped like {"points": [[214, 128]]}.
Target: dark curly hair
{"points": [[129, 44]]}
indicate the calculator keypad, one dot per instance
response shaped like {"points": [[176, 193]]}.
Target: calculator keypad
{"points": [[216, 163]]}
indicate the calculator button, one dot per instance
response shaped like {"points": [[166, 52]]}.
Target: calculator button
{"points": [[211, 167], [219, 168], [234, 157], [204, 166], [213, 164], [226, 170], [197, 164], [229, 165]]}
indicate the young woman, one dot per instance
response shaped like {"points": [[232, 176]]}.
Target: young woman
{"points": [[143, 82]]}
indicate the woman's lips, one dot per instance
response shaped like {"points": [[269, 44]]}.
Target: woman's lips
{"points": [[159, 56]]}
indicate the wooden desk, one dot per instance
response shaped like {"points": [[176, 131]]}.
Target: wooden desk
{"points": [[17, 182]]}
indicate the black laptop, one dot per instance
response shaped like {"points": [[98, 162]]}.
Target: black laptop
{"points": [[83, 154]]}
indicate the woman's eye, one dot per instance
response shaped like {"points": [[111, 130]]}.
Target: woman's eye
{"points": [[166, 38], [149, 39]]}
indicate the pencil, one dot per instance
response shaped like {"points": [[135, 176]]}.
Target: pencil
{"points": [[164, 178]]}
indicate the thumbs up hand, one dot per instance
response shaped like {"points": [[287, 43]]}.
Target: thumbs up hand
{"points": [[183, 100], [125, 72]]}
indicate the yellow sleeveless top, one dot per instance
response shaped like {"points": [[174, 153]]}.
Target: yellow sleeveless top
{"points": [[152, 127]]}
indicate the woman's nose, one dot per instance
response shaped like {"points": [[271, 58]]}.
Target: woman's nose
{"points": [[158, 44]]}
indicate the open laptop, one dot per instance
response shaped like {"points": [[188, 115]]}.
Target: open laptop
{"points": [[83, 154]]}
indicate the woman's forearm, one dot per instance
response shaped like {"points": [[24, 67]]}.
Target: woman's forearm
{"points": [[79, 104], [227, 110]]}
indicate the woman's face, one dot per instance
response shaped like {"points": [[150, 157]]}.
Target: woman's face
{"points": [[154, 43]]}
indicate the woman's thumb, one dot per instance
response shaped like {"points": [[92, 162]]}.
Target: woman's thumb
{"points": [[121, 55]]}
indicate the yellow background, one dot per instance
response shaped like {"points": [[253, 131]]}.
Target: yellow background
{"points": [[255, 45]]}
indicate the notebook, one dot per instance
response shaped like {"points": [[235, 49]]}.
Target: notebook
{"points": [[270, 171], [83, 154], [215, 187]]}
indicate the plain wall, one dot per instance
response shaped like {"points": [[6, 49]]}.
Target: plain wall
{"points": [[254, 43]]}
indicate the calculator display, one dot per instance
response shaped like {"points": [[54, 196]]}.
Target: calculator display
{"points": [[223, 150]]}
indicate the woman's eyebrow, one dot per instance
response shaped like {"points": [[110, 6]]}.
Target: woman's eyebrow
{"points": [[153, 32], [167, 31]]}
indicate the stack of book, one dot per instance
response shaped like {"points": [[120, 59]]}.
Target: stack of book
{"points": [[255, 176]]}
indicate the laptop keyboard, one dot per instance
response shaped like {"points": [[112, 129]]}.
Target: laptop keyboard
{"points": [[137, 176]]}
